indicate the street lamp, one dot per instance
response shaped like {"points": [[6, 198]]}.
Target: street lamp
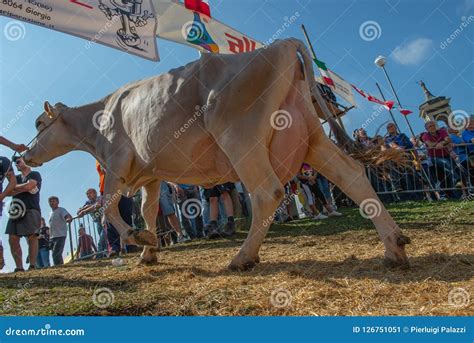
{"points": [[380, 62]]}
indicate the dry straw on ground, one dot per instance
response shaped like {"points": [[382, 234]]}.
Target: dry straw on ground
{"points": [[331, 267]]}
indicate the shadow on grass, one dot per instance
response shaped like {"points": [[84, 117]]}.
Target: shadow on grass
{"points": [[441, 267]]}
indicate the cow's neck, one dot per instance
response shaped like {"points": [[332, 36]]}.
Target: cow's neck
{"points": [[86, 134]]}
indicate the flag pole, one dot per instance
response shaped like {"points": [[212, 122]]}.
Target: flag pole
{"points": [[313, 54], [390, 110], [398, 100]]}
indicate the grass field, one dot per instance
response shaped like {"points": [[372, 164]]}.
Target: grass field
{"points": [[330, 267]]}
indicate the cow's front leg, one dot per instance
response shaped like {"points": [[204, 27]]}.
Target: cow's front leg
{"points": [[113, 192], [150, 199]]}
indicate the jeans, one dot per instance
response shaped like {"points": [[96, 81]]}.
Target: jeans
{"points": [[58, 247], [221, 217], [323, 185], [42, 261], [102, 244], [126, 211]]}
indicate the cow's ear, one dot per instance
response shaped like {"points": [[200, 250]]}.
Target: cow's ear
{"points": [[49, 110]]}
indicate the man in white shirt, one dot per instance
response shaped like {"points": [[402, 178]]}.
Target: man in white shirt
{"points": [[58, 220]]}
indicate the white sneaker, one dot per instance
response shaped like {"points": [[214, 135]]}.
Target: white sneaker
{"points": [[183, 239], [335, 214], [320, 217]]}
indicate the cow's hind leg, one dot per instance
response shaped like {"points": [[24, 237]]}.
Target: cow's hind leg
{"points": [[150, 200], [350, 177], [266, 193]]}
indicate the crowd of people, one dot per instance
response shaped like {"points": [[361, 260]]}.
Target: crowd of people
{"points": [[442, 162]]}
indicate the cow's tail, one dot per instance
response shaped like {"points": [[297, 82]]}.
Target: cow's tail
{"points": [[341, 136]]}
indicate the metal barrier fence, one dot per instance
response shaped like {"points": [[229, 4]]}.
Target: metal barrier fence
{"points": [[427, 173], [91, 229], [424, 175]]}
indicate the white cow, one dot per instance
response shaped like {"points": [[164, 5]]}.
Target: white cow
{"points": [[212, 121]]}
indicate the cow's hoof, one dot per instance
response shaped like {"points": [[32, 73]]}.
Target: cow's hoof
{"points": [[144, 238], [243, 265], [402, 240]]}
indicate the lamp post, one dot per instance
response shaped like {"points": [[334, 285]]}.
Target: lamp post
{"points": [[380, 62]]}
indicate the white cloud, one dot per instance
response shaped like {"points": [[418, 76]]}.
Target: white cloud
{"points": [[413, 52]]}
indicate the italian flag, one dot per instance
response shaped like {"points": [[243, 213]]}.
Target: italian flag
{"points": [[324, 73], [201, 6]]}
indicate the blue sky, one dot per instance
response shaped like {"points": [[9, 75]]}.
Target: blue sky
{"points": [[47, 65]]}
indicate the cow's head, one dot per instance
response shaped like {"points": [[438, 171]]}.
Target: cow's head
{"points": [[53, 139]]}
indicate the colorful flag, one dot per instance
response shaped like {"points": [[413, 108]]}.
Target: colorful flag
{"points": [[342, 88], [360, 91], [324, 73], [405, 112], [181, 25], [387, 104], [128, 26], [200, 6]]}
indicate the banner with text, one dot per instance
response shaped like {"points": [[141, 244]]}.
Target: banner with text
{"points": [[179, 24], [128, 26], [341, 87]]}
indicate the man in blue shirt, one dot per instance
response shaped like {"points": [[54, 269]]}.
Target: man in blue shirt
{"points": [[468, 135], [397, 140]]}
